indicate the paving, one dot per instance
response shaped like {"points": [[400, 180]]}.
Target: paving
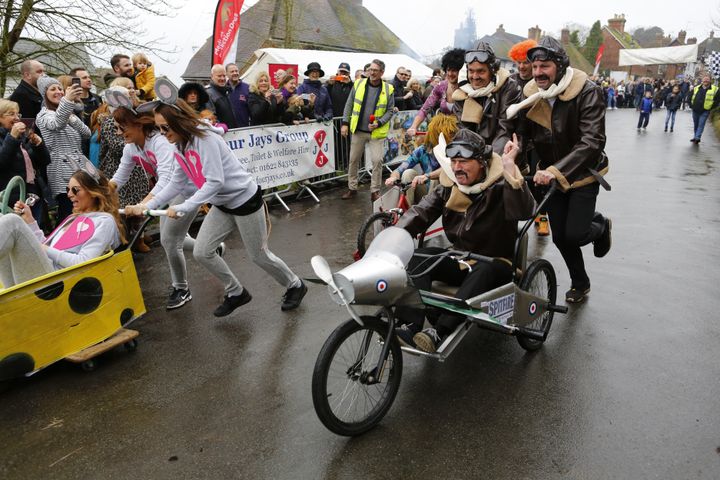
{"points": [[626, 386]]}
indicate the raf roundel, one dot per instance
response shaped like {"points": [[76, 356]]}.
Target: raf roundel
{"points": [[532, 309], [381, 286]]}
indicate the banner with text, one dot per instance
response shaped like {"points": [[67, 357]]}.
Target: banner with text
{"points": [[282, 155]]}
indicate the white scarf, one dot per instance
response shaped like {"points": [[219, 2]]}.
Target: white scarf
{"points": [[552, 91], [444, 161], [480, 92]]}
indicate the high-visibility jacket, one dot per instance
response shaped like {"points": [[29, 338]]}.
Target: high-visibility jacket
{"points": [[386, 90], [709, 96]]}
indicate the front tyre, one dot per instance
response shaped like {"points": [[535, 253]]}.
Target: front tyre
{"points": [[346, 399], [539, 279], [375, 223]]}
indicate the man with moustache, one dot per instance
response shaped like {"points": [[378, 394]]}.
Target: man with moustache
{"points": [[481, 101], [566, 124], [481, 197]]}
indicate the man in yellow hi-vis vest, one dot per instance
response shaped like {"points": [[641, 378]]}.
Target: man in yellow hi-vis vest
{"points": [[704, 98], [367, 115]]}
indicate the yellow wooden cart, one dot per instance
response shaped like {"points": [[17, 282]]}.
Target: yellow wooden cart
{"points": [[74, 314]]}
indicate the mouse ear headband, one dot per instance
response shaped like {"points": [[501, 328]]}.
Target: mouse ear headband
{"points": [[167, 94], [87, 167], [116, 99]]}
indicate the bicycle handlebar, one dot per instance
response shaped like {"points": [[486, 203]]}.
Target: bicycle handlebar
{"points": [[154, 213]]}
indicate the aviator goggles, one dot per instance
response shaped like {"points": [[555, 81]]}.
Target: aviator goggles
{"points": [[481, 56], [462, 150]]}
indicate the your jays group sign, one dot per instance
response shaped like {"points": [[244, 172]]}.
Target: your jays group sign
{"points": [[282, 155]]}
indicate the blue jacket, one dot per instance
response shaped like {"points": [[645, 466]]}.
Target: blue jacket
{"points": [[641, 88], [323, 103], [646, 106], [420, 156], [239, 97]]}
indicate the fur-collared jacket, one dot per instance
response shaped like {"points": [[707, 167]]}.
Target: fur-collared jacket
{"points": [[569, 137], [487, 115], [485, 222]]}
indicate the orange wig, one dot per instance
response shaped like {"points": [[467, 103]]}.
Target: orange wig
{"points": [[518, 52]]}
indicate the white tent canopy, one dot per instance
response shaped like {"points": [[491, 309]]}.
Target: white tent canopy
{"points": [[329, 61], [658, 56]]}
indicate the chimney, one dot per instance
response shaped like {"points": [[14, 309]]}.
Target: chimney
{"points": [[565, 36], [617, 23], [691, 41], [659, 39], [534, 33], [712, 33], [500, 29], [681, 36]]}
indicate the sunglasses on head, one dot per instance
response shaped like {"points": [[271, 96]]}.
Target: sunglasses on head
{"points": [[462, 150], [477, 56], [164, 128], [74, 190], [119, 128]]}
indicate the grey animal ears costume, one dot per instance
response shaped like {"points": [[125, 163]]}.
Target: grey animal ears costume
{"points": [[87, 167], [117, 99], [167, 93]]}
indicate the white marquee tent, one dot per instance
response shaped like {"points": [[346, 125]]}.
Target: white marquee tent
{"points": [[329, 61]]}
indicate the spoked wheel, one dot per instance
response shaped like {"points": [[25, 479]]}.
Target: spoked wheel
{"points": [[376, 223], [539, 279], [349, 396]]}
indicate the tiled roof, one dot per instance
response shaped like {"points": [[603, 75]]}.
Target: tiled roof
{"points": [[624, 38], [54, 63], [577, 60], [317, 24], [501, 43]]}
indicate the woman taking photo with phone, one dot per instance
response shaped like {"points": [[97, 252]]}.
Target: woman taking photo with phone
{"points": [[210, 173], [63, 133], [22, 153]]}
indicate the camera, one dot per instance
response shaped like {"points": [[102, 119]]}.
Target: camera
{"points": [[305, 96]]}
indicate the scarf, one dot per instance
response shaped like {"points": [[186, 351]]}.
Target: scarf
{"points": [[553, 91], [480, 92], [29, 169]]}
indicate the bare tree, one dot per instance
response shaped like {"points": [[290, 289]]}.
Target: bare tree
{"points": [[66, 27]]}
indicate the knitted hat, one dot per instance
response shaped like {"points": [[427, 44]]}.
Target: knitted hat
{"points": [[44, 83]]}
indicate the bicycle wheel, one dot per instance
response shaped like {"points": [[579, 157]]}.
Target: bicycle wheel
{"points": [[374, 224], [345, 401], [539, 279]]}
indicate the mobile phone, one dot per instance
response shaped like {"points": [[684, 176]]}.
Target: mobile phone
{"points": [[29, 123], [305, 96], [76, 81]]}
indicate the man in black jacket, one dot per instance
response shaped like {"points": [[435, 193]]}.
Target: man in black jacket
{"points": [[339, 88], [219, 93], [26, 95]]}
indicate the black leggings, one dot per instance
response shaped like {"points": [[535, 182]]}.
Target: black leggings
{"points": [[574, 223], [484, 277]]}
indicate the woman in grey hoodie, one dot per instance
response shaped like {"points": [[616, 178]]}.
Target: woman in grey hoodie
{"points": [[210, 173], [93, 230]]}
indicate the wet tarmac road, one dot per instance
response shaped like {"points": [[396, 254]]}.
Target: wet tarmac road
{"points": [[626, 386]]}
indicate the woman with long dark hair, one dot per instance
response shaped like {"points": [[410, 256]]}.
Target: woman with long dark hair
{"points": [[210, 173], [147, 148], [94, 228]]}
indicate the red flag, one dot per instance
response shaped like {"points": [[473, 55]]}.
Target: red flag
{"points": [[225, 32], [599, 55]]}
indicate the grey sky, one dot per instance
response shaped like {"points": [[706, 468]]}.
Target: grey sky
{"points": [[428, 29]]}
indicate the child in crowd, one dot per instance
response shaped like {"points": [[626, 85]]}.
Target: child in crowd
{"points": [[210, 116], [646, 108], [296, 112], [672, 103], [144, 76]]}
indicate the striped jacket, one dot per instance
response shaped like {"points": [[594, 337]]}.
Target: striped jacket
{"points": [[62, 132]]}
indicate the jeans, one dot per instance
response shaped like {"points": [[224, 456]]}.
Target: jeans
{"points": [[643, 120], [699, 120], [670, 115]]}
